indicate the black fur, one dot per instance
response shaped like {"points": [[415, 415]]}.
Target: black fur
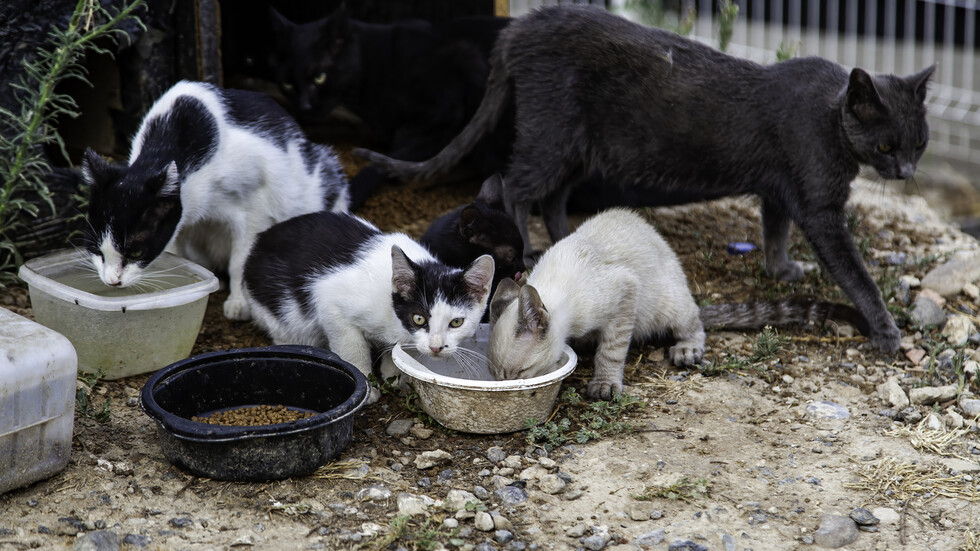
{"points": [[597, 94], [413, 83]]}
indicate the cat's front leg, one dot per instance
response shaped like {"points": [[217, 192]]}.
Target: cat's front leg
{"points": [[775, 234], [826, 230], [349, 343], [236, 306], [614, 342]]}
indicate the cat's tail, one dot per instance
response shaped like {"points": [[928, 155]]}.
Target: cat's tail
{"points": [[755, 315], [492, 107]]}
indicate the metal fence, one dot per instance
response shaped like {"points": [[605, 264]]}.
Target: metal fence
{"points": [[884, 36]]}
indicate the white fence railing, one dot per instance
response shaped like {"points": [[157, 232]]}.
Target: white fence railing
{"points": [[884, 36]]}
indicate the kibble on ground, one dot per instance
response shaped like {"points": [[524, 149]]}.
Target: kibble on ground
{"points": [[250, 416]]}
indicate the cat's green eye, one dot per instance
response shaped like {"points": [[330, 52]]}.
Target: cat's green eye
{"points": [[418, 319], [287, 86], [135, 254], [455, 322], [320, 79], [920, 144], [884, 148]]}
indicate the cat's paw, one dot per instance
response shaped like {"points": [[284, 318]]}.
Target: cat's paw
{"points": [[685, 356], [603, 390], [787, 271], [236, 308], [887, 340], [374, 394]]}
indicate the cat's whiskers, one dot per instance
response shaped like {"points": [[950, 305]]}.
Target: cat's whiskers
{"points": [[471, 362]]}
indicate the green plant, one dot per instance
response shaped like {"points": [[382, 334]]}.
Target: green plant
{"points": [[424, 536], [727, 14], [653, 13], [23, 165], [768, 344], [786, 51], [683, 490], [584, 421], [84, 402]]}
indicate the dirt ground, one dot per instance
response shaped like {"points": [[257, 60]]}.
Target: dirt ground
{"points": [[734, 456]]}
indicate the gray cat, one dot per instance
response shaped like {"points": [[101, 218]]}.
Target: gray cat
{"points": [[596, 93]]}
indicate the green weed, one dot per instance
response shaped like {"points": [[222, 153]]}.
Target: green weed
{"points": [[727, 14], [584, 421], [682, 490], [84, 401], [425, 535]]}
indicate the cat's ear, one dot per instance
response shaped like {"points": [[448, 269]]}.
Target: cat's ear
{"points": [[532, 316], [479, 277], [169, 181], [492, 190], [920, 82], [335, 28], [402, 273], [863, 98], [506, 293], [95, 169], [279, 21], [468, 218]]}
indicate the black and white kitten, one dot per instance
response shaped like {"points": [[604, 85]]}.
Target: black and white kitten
{"points": [[209, 169], [598, 95], [334, 280], [478, 228]]}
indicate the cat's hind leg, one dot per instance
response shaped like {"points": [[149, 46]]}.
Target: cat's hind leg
{"points": [[775, 234], [689, 349]]}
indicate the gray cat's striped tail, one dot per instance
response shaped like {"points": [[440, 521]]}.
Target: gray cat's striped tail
{"points": [[755, 315], [485, 119]]}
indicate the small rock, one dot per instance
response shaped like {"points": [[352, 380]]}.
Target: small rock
{"points": [[910, 415], [457, 499], [827, 410], [547, 463], [915, 355], [100, 540], [929, 395], [433, 458], [948, 279], [399, 427], [933, 422], [650, 539], [958, 329], [551, 484], [639, 510], [970, 407], [970, 369], [511, 495], [598, 540], [576, 531], [502, 536], [953, 419], [181, 522], [513, 462], [374, 492], [500, 522], [686, 545], [863, 517], [421, 432], [728, 542], [971, 291], [891, 392], [926, 311], [886, 515], [483, 521], [410, 504], [496, 454], [835, 531], [576, 493], [450, 523], [136, 540], [960, 465]]}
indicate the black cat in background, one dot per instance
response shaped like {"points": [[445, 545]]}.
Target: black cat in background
{"points": [[414, 84]]}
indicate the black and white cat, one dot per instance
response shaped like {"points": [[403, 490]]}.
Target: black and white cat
{"points": [[334, 280], [615, 278], [482, 227], [209, 169], [413, 83], [597, 94]]}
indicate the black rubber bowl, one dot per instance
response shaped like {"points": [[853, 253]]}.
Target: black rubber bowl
{"points": [[298, 377]]}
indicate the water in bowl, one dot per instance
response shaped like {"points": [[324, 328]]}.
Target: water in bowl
{"points": [[86, 280]]}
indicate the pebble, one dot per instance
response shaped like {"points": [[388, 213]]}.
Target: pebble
{"points": [[511, 495], [886, 515], [835, 531], [915, 355], [496, 454], [136, 540], [929, 395], [500, 522], [953, 419], [450, 523], [457, 499], [891, 392], [728, 542], [863, 517], [958, 330], [970, 407], [572, 495], [933, 422], [948, 279], [181, 522], [650, 539], [502, 536], [827, 410], [399, 427], [421, 432], [576, 531], [100, 540], [598, 540], [551, 484], [686, 545], [481, 492], [483, 521], [639, 510], [926, 311], [374, 492], [411, 504], [433, 458]]}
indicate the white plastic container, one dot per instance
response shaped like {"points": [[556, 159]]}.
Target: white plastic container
{"points": [[471, 400], [120, 331], [37, 401]]}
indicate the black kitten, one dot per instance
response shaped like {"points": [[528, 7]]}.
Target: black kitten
{"points": [[478, 228], [597, 94], [413, 83]]}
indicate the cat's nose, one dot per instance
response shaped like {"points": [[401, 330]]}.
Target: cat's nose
{"points": [[436, 349], [906, 171]]}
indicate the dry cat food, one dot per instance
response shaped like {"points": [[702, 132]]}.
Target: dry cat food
{"points": [[250, 416]]}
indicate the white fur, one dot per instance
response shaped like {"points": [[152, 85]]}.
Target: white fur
{"points": [[248, 185], [354, 314], [614, 277]]}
